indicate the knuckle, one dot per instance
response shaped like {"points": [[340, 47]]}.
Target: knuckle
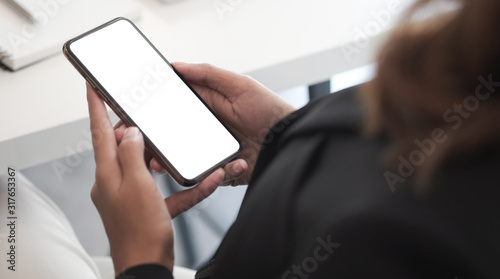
{"points": [[126, 144], [207, 66], [93, 194]]}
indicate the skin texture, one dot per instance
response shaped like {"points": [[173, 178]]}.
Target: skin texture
{"points": [[136, 217]]}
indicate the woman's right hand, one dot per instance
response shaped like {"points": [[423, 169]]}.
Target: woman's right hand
{"points": [[247, 107]]}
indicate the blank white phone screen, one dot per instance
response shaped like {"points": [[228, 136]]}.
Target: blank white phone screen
{"points": [[155, 98]]}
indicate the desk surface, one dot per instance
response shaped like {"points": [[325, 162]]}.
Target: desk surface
{"points": [[282, 43]]}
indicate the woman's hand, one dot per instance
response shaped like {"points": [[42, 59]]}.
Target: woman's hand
{"points": [[247, 107], [136, 218]]}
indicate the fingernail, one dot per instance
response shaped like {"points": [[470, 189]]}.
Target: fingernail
{"points": [[237, 168], [132, 133], [162, 172]]}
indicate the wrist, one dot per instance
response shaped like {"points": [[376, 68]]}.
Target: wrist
{"points": [[123, 263], [126, 258], [153, 271]]}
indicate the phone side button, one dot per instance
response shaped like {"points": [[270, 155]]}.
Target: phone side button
{"points": [[92, 84]]}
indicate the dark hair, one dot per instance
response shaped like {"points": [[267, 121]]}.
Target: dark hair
{"points": [[426, 71]]}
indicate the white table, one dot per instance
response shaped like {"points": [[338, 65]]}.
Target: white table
{"points": [[281, 43]]}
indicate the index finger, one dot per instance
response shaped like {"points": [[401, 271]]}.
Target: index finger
{"points": [[103, 138], [220, 80]]}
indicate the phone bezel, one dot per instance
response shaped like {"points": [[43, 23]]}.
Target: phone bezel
{"points": [[108, 99]]}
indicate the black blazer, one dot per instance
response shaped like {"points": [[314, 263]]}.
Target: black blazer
{"points": [[320, 205]]}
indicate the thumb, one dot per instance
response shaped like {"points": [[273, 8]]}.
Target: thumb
{"points": [[131, 150], [223, 81], [184, 200]]}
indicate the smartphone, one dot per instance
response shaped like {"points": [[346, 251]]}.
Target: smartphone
{"points": [[145, 91]]}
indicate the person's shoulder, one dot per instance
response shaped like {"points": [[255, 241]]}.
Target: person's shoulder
{"points": [[337, 111]]}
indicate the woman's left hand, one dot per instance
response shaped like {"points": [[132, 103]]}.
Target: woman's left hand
{"points": [[136, 218]]}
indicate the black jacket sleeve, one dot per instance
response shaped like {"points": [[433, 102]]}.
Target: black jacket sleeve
{"points": [[146, 271]]}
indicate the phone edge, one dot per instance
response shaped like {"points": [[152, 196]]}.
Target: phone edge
{"points": [[105, 96]]}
